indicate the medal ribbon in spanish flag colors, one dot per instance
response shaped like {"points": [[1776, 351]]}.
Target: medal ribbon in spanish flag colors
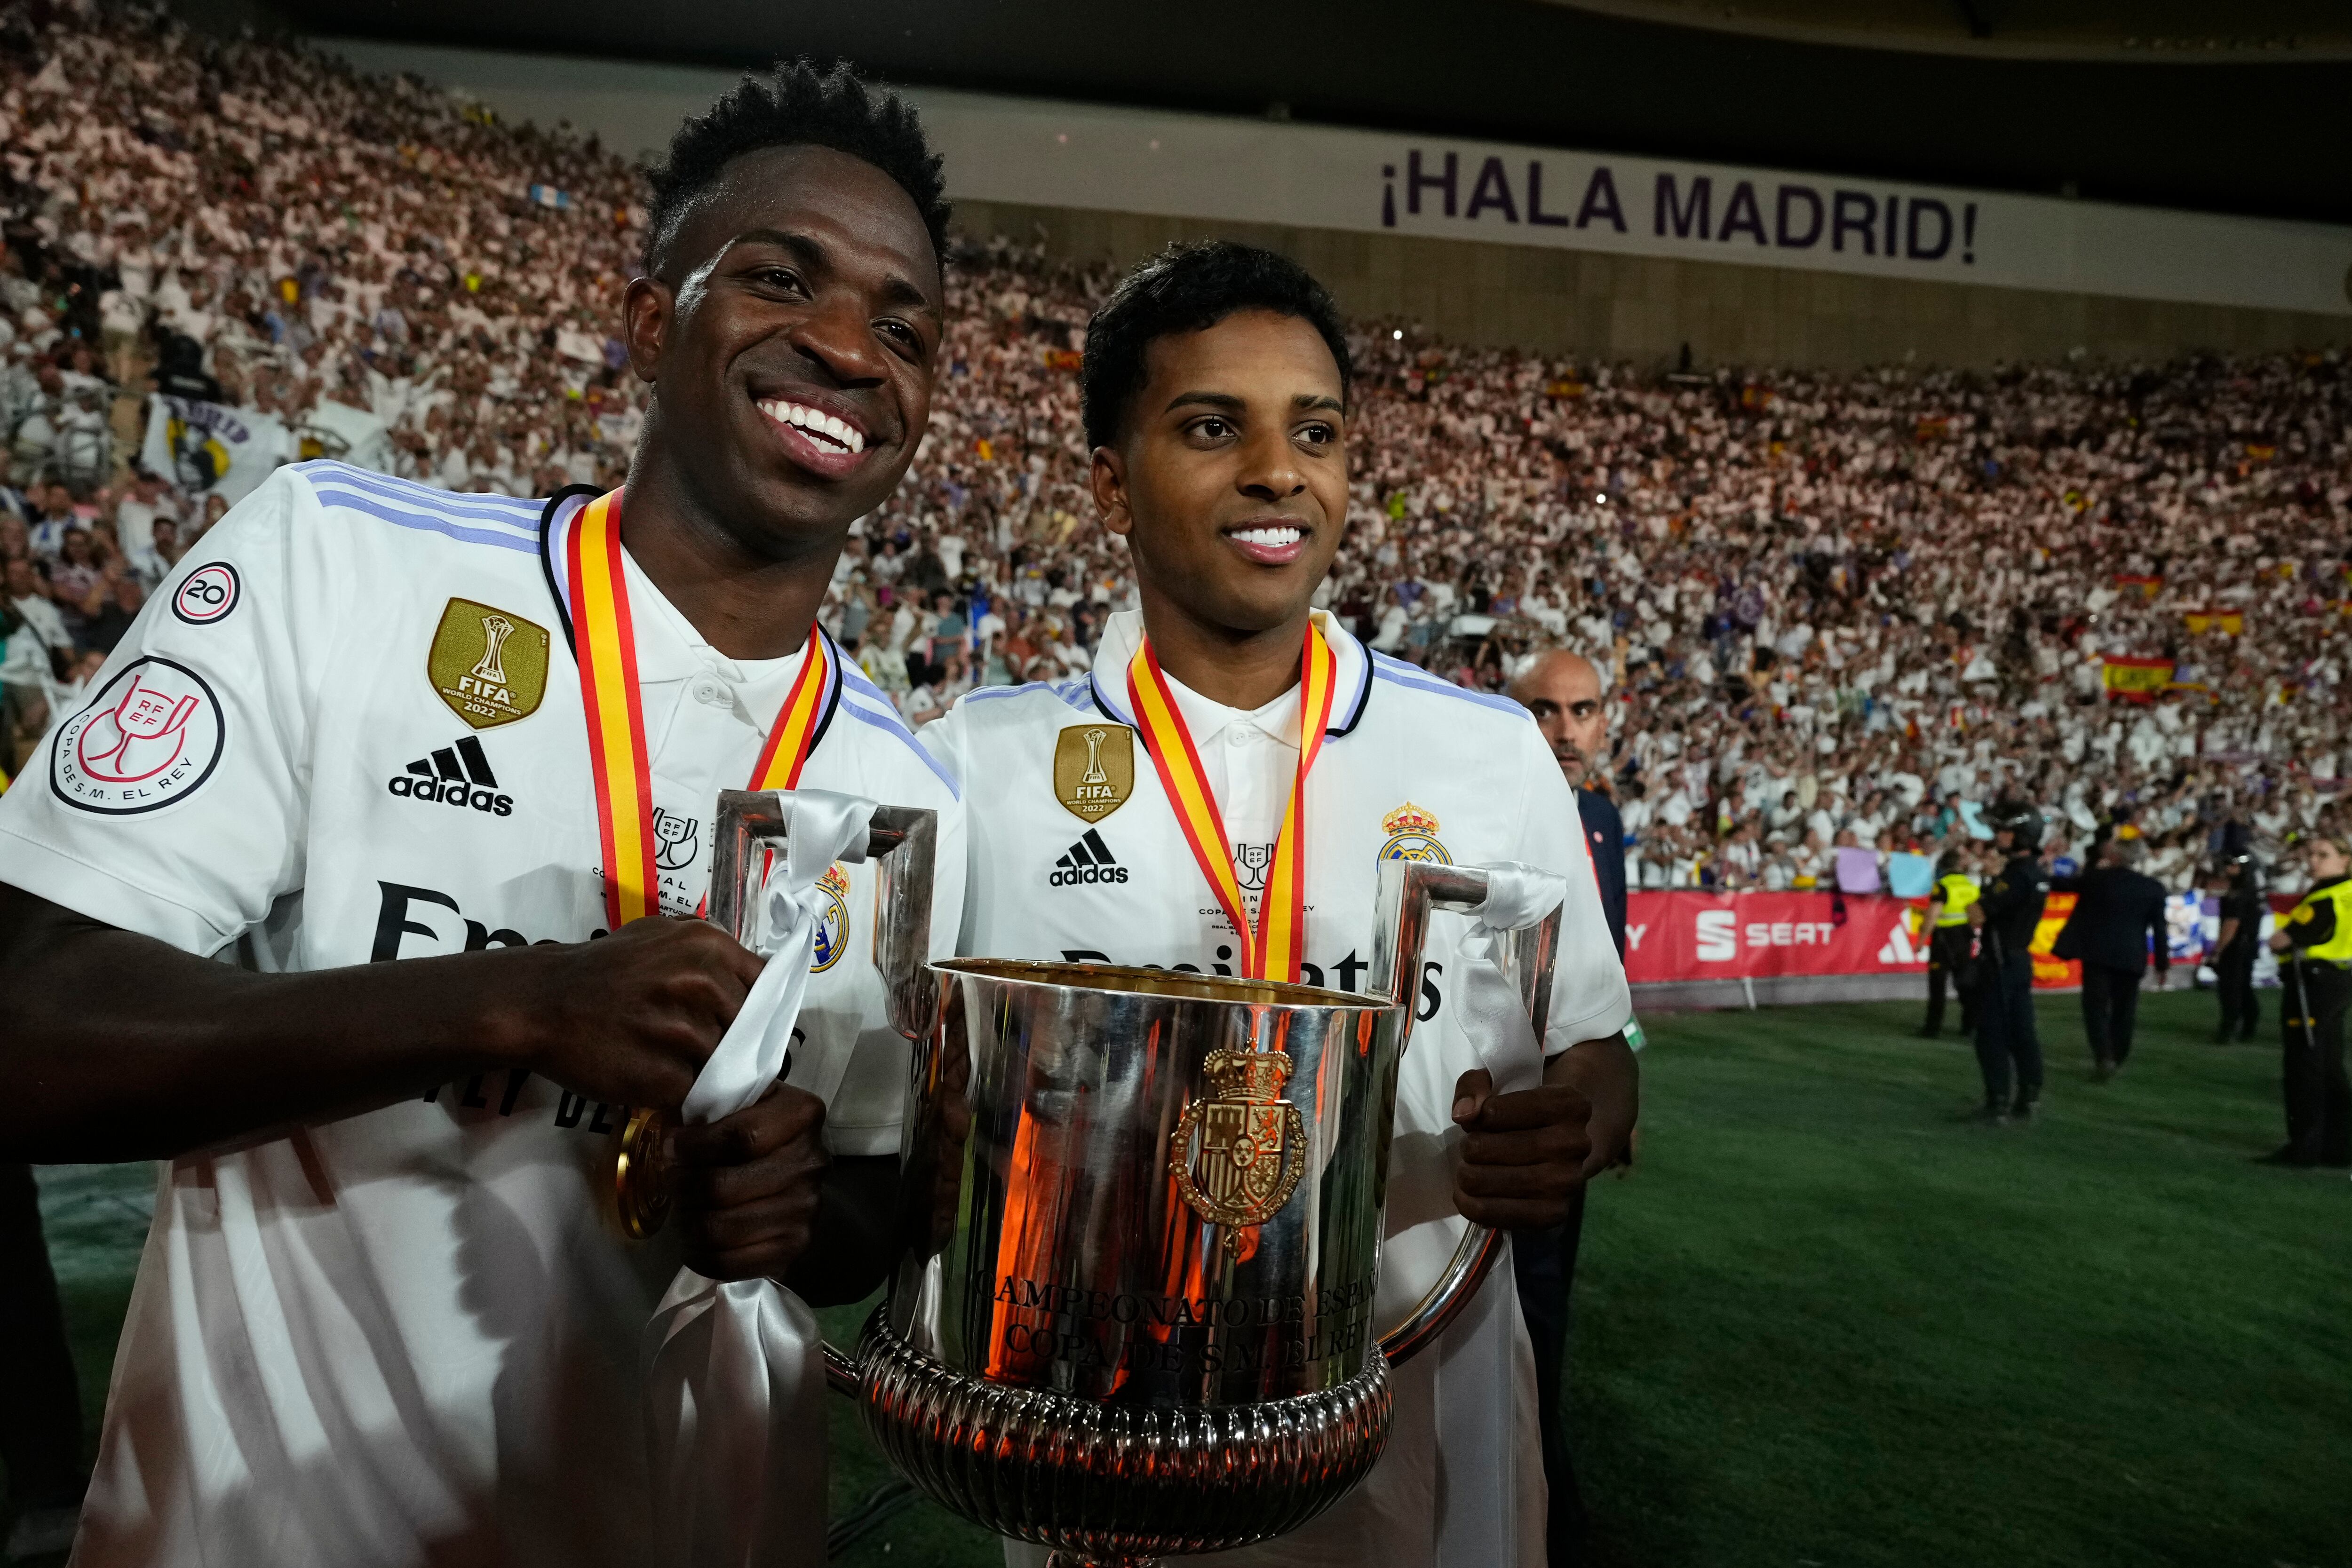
{"points": [[606, 644], [1272, 950]]}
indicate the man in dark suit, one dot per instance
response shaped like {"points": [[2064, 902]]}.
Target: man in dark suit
{"points": [[2240, 885], [1563, 691], [2118, 920]]}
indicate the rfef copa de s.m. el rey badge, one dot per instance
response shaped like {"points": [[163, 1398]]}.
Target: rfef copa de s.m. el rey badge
{"points": [[489, 666]]}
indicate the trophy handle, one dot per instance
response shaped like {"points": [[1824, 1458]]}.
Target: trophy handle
{"points": [[903, 844], [1409, 890], [902, 841]]}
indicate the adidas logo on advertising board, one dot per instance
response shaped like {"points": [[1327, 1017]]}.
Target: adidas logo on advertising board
{"points": [[1088, 861], [456, 775]]}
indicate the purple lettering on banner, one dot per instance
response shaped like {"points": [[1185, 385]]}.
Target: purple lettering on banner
{"points": [[1685, 216], [1812, 235], [1969, 241], [1537, 216], [1927, 206], [1853, 212], [1741, 214], [1388, 195], [1600, 202], [1493, 190], [1894, 209], [1415, 181]]}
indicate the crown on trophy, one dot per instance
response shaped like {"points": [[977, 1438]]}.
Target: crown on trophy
{"points": [[1247, 1074], [1408, 819]]}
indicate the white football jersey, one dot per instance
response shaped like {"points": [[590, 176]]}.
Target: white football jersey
{"points": [[1076, 853], [348, 729]]}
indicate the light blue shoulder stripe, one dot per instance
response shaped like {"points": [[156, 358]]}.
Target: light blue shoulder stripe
{"points": [[1421, 680], [330, 495], [1072, 693], [475, 505], [890, 723]]}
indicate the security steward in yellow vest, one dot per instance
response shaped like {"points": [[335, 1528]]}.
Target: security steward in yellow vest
{"points": [[2314, 947], [1951, 946]]}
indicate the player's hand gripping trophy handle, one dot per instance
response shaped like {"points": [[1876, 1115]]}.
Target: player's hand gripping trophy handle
{"points": [[1141, 1224], [752, 830]]}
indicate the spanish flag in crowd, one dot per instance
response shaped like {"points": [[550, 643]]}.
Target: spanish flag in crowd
{"points": [[2149, 586], [2137, 680], [2200, 622]]}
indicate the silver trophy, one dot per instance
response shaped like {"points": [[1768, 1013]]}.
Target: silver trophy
{"points": [[1141, 1223]]}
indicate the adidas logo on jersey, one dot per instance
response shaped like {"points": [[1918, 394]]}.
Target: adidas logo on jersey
{"points": [[455, 775], [1088, 861]]}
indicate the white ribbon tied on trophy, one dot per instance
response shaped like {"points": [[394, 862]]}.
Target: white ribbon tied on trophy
{"points": [[1494, 1007], [734, 1384]]}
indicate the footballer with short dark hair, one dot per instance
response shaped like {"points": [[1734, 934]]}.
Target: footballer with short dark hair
{"points": [[1216, 396]]}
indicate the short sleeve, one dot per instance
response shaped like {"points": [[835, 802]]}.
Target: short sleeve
{"points": [[1590, 998], [172, 799], [944, 740]]}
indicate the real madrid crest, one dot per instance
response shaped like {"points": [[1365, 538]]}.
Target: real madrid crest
{"points": [[833, 926], [1413, 836], [1093, 768], [1252, 1142]]}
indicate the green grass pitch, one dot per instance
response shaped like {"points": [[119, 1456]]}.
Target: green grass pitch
{"points": [[1828, 1322]]}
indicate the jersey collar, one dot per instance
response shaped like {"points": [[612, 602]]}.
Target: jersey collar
{"points": [[660, 657], [1123, 634]]}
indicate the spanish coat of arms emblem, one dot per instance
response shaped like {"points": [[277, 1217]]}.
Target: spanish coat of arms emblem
{"points": [[1252, 1142]]}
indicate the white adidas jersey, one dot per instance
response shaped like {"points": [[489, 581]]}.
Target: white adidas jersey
{"points": [[1076, 853], [348, 730]]}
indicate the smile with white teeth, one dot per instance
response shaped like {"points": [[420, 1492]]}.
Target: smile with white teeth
{"points": [[1278, 534], [825, 430]]}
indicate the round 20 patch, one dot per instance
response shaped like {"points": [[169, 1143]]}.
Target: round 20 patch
{"points": [[208, 594], [151, 737]]}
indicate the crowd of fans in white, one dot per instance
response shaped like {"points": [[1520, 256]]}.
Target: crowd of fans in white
{"points": [[1834, 609]]}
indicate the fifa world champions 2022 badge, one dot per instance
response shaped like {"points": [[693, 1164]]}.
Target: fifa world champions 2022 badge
{"points": [[1252, 1142], [152, 736], [489, 666], [1094, 770]]}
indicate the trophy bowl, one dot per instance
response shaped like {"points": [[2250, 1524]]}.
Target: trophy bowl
{"points": [[1141, 1213]]}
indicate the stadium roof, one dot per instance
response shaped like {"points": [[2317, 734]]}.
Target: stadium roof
{"points": [[2072, 105]]}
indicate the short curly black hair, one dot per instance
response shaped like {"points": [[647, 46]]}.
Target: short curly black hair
{"points": [[1190, 287], [796, 103]]}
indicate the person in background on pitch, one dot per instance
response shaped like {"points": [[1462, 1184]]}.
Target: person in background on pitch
{"points": [[2314, 947], [1565, 692], [2239, 881], [2008, 1051], [1952, 947], [2118, 916]]}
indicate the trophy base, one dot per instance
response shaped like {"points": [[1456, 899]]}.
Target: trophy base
{"points": [[1111, 1486]]}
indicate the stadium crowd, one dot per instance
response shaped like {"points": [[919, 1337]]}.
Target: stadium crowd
{"points": [[1834, 610]]}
